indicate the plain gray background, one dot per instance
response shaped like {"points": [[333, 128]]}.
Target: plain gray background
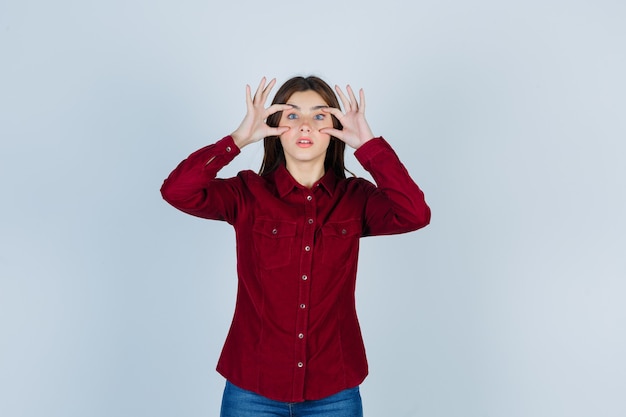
{"points": [[510, 116]]}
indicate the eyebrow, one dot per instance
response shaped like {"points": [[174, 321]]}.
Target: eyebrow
{"points": [[312, 108]]}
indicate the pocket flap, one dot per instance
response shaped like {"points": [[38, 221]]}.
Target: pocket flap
{"points": [[274, 228], [343, 229]]}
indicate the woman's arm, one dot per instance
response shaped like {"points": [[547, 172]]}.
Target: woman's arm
{"points": [[397, 204], [193, 188]]}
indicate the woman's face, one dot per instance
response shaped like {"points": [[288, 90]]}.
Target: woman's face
{"points": [[303, 142]]}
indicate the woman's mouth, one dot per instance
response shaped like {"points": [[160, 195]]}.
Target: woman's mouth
{"points": [[304, 142]]}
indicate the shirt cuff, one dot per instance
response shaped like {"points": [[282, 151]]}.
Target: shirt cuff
{"points": [[370, 149], [214, 157], [227, 147]]}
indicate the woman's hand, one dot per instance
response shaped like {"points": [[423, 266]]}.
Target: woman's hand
{"points": [[253, 128], [355, 131]]}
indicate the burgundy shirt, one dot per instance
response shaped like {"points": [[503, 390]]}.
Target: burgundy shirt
{"points": [[295, 334]]}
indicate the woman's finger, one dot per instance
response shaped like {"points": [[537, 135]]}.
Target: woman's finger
{"points": [[362, 102], [274, 108], [266, 90], [277, 131], [259, 91], [339, 134], [335, 112], [343, 98], [248, 97], [354, 103]]}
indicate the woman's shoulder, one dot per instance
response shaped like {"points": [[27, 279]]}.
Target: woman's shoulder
{"points": [[355, 183], [253, 180], [248, 174]]}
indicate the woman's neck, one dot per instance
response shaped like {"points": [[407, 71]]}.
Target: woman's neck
{"points": [[306, 174]]}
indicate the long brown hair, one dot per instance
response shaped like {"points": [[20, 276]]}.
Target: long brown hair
{"points": [[274, 154]]}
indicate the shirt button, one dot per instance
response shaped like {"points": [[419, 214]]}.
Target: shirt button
{"points": [[309, 198], [307, 248], [344, 231], [302, 306], [228, 149], [310, 221], [300, 336], [274, 231], [300, 364], [304, 277]]}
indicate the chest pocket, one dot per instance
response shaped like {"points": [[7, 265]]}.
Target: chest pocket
{"points": [[340, 243], [274, 242]]}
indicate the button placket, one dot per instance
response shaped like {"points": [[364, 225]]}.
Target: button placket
{"points": [[302, 316]]}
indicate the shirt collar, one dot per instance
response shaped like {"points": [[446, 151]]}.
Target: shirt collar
{"points": [[285, 183]]}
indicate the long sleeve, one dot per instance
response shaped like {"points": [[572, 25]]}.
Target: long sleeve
{"points": [[397, 204], [193, 188]]}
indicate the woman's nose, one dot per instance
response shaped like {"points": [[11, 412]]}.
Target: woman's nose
{"points": [[305, 127]]}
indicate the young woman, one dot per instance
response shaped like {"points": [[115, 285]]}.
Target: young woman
{"points": [[295, 346]]}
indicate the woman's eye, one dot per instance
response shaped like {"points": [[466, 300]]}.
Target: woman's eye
{"points": [[292, 116], [319, 116]]}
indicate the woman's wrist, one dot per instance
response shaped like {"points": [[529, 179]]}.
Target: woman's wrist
{"points": [[238, 139]]}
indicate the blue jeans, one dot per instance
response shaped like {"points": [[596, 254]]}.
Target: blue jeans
{"points": [[238, 402]]}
